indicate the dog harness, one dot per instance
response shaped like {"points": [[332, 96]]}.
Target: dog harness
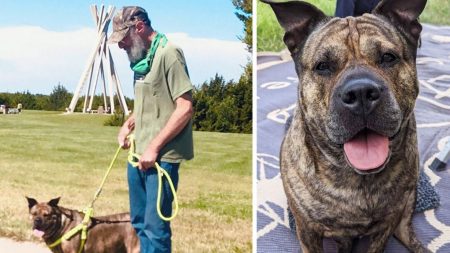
{"points": [[88, 212]]}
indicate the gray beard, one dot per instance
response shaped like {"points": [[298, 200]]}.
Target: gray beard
{"points": [[137, 51]]}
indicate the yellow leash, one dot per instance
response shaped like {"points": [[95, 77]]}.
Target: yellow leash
{"points": [[88, 213], [132, 158]]}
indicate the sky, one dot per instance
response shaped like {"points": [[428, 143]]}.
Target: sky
{"points": [[44, 43]]}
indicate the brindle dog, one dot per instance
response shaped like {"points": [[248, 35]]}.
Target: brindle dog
{"points": [[349, 161], [107, 234]]}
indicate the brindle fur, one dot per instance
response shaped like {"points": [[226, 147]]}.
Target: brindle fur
{"points": [[327, 197], [106, 234]]}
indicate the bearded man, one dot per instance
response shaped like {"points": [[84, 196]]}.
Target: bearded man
{"points": [[161, 120]]}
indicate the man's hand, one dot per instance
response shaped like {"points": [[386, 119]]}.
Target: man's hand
{"points": [[122, 137], [148, 158], [125, 130]]}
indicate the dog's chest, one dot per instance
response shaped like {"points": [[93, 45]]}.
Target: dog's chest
{"points": [[349, 212], [348, 218]]}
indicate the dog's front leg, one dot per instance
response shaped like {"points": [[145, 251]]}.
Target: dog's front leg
{"points": [[404, 231], [310, 241], [344, 244], [406, 235], [379, 240], [67, 247]]}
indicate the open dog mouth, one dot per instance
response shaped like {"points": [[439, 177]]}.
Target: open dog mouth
{"points": [[38, 233], [367, 152], [39, 230]]}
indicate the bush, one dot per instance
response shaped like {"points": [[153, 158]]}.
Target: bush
{"points": [[117, 119]]}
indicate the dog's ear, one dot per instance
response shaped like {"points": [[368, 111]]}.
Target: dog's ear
{"points": [[54, 202], [298, 20], [31, 202], [403, 13]]}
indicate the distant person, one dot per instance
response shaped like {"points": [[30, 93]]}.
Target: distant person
{"points": [[19, 107], [161, 121], [345, 8]]}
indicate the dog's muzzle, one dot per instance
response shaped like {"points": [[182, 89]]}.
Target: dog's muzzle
{"points": [[363, 115]]}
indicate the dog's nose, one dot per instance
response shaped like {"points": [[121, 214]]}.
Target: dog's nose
{"points": [[361, 96], [38, 221]]}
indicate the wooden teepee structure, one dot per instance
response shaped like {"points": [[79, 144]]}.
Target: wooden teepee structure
{"points": [[100, 63]]}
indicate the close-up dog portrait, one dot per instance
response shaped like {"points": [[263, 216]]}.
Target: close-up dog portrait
{"points": [[355, 115]]}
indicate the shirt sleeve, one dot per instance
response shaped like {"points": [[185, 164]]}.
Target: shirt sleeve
{"points": [[177, 75]]}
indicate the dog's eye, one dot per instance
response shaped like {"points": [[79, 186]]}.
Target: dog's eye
{"points": [[388, 59], [323, 68]]}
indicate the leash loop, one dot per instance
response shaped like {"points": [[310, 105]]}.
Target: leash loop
{"points": [[132, 158]]}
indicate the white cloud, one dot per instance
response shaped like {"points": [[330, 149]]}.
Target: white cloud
{"points": [[35, 59], [205, 57]]}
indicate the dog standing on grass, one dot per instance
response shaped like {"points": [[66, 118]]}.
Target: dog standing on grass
{"points": [[106, 234], [349, 161]]}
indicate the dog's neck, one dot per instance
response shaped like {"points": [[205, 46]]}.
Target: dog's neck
{"points": [[65, 216]]}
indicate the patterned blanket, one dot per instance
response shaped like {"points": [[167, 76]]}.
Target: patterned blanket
{"points": [[276, 100]]}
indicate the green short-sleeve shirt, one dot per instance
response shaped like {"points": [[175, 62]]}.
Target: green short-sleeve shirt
{"points": [[155, 96]]}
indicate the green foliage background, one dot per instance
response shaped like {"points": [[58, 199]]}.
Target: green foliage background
{"points": [[220, 105]]}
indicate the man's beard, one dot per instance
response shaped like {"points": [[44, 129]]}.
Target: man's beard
{"points": [[137, 51]]}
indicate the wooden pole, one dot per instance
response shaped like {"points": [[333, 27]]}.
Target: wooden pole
{"points": [[122, 101], [95, 84], [83, 77], [102, 53], [86, 97]]}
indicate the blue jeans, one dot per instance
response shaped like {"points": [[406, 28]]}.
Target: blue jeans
{"points": [[153, 232], [354, 8]]}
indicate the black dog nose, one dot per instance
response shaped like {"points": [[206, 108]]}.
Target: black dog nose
{"points": [[361, 96], [38, 221]]}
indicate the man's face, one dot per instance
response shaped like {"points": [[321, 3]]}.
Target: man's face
{"points": [[134, 45]]}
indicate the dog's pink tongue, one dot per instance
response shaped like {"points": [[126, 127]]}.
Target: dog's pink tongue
{"points": [[367, 150], [38, 233]]}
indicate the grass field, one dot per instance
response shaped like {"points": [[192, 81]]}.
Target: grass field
{"points": [[47, 154], [270, 34]]}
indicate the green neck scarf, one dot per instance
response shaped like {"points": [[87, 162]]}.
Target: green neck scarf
{"points": [[143, 66]]}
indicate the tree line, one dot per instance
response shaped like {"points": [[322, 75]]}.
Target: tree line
{"points": [[219, 105], [58, 100]]}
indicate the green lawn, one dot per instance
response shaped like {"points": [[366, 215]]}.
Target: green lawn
{"points": [[47, 154], [270, 34]]}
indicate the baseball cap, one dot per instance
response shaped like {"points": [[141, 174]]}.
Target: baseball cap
{"points": [[124, 19]]}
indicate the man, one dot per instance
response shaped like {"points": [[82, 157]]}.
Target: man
{"points": [[354, 8], [161, 121]]}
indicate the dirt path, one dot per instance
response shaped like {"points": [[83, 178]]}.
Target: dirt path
{"points": [[10, 246]]}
